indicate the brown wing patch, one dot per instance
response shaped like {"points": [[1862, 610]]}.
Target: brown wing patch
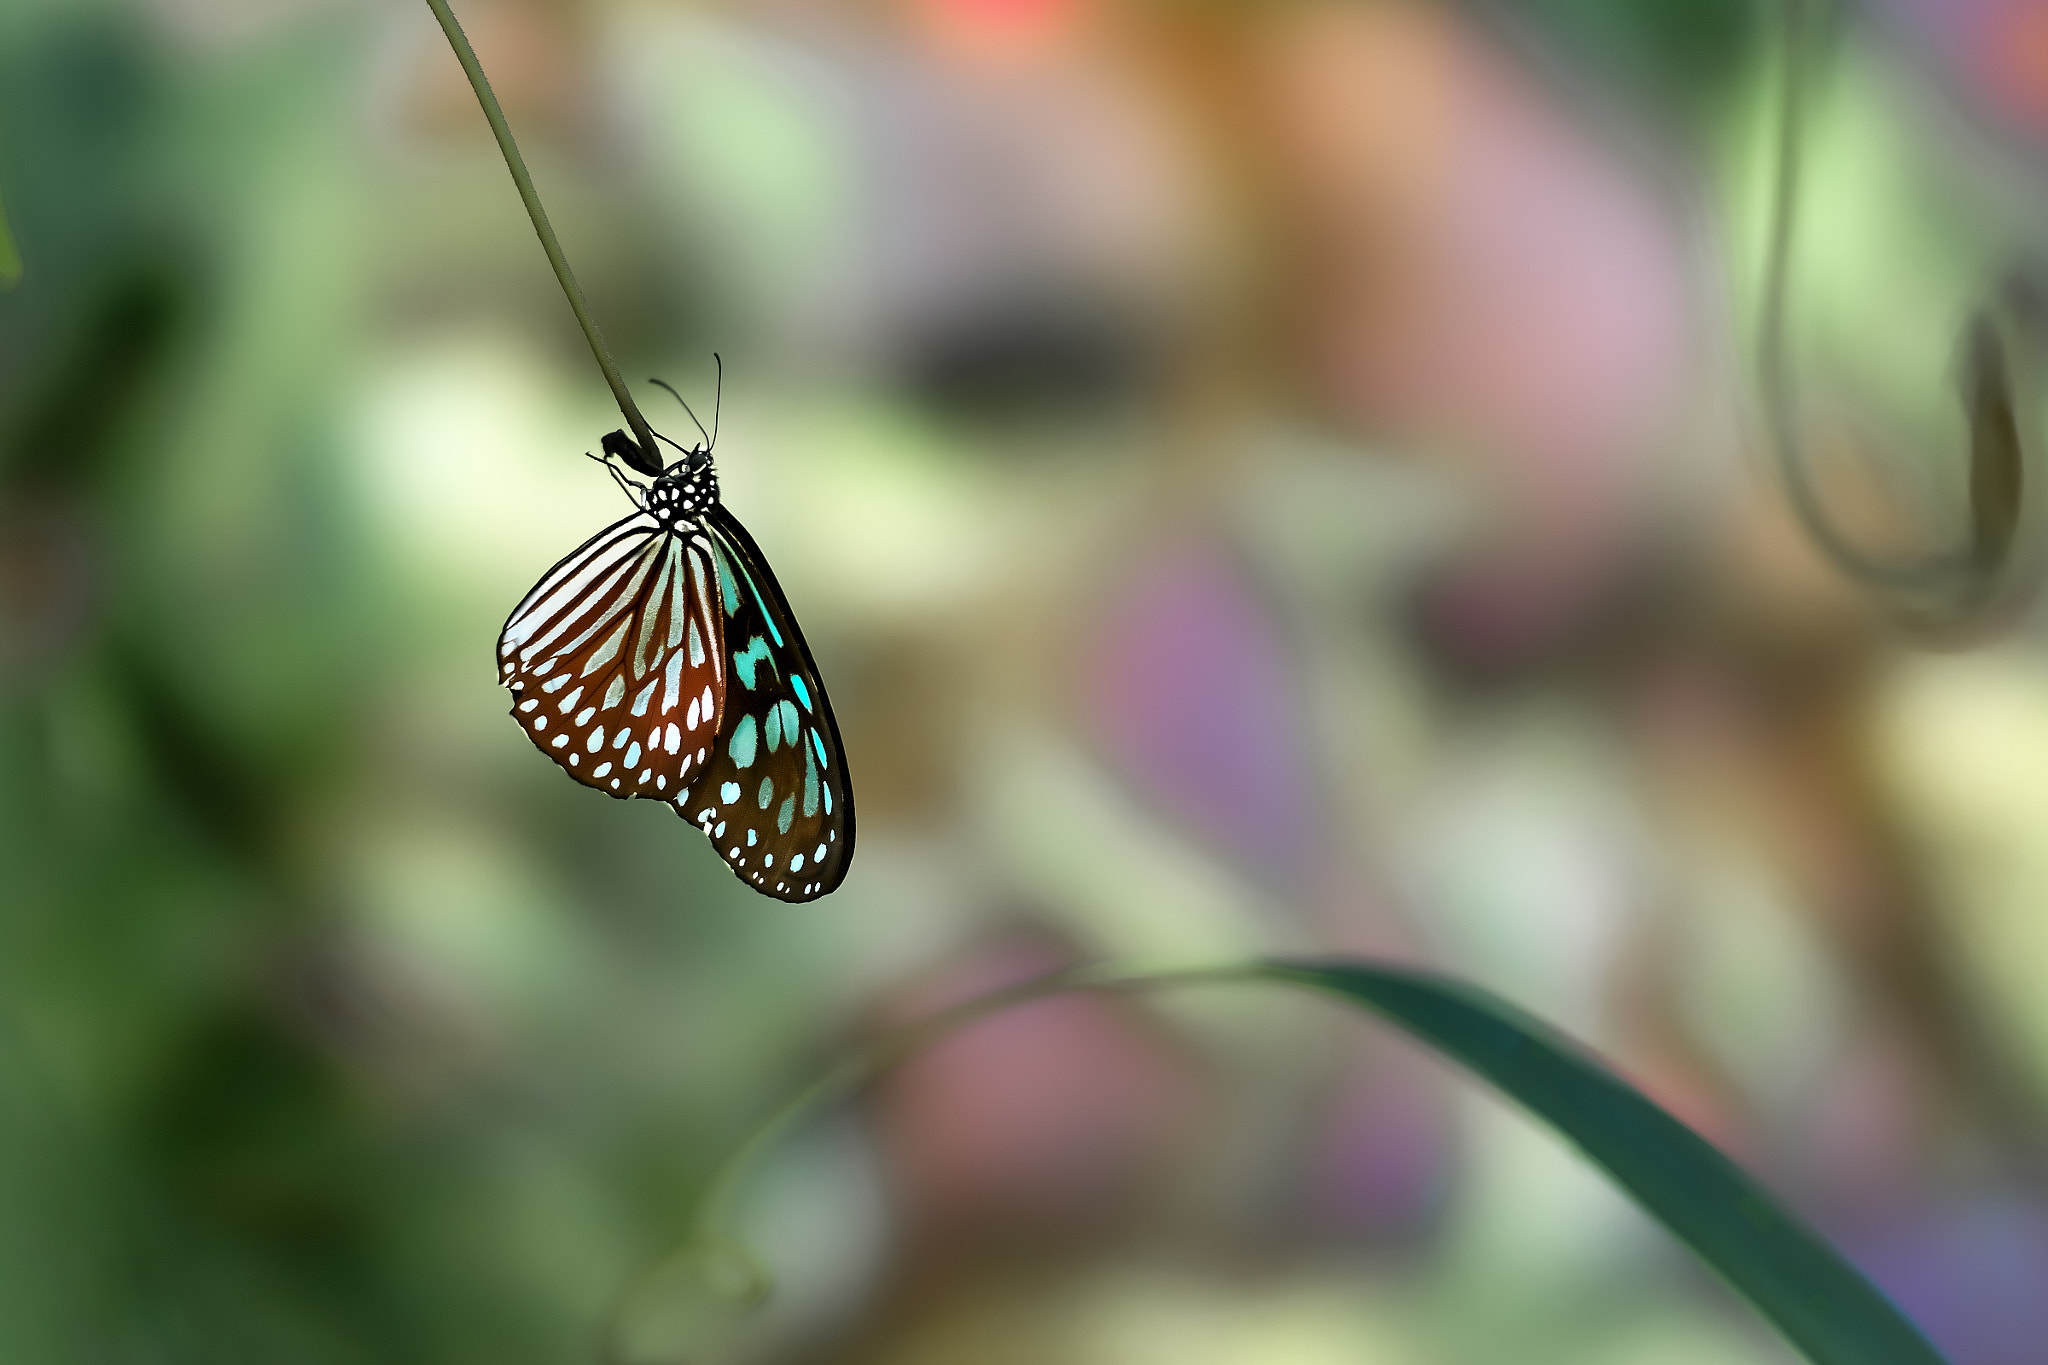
{"points": [[616, 660]]}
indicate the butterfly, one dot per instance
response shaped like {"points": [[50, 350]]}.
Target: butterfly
{"points": [[660, 660]]}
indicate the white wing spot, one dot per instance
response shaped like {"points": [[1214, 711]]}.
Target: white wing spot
{"points": [[675, 737], [529, 703], [583, 717], [540, 722], [600, 770], [608, 651], [560, 740], [569, 702], [596, 740], [690, 716], [796, 864], [673, 677]]}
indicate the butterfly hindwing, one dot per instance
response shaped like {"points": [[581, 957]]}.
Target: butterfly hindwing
{"points": [[773, 792], [616, 659]]}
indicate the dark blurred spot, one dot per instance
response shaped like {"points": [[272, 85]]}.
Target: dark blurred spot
{"points": [[258, 1135], [79, 104], [213, 783], [65, 429], [48, 580], [1026, 360], [1491, 628], [1996, 475]]}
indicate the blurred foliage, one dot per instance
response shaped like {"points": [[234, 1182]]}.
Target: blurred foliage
{"points": [[1679, 58], [334, 1027]]}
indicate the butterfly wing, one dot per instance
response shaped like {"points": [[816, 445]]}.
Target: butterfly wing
{"points": [[773, 794], [616, 660]]}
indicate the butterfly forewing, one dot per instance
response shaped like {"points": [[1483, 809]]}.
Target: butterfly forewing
{"points": [[773, 792], [616, 660]]}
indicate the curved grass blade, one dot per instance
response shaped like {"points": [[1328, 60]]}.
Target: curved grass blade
{"points": [[10, 254], [1802, 1285]]}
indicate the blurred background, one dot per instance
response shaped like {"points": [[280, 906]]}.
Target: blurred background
{"points": [[1257, 478]]}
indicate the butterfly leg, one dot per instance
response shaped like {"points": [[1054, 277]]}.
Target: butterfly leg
{"points": [[632, 488]]}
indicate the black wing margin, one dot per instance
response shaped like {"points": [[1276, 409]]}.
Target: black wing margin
{"points": [[773, 794]]}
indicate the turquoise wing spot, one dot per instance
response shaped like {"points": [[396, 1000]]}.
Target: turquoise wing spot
{"points": [[772, 723], [787, 710], [745, 663], [766, 615], [785, 815], [728, 793], [810, 786], [766, 794], [803, 694], [823, 762], [828, 800], [743, 739], [727, 589]]}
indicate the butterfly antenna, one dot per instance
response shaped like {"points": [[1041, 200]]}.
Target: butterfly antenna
{"points": [[718, 401], [686, 408]]}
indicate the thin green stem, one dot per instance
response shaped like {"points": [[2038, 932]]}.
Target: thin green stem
{"points": [[10, 255], [747, 1281], [1950, 581], [541, 227], [1797, 17]]}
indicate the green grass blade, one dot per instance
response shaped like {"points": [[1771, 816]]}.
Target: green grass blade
{"points": [[10, 254], [1794, 1278]]}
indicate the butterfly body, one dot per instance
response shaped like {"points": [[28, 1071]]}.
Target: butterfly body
{"points": [[682, 492], [660, 660]]}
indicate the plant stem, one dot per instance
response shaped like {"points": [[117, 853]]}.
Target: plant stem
{"points": [[541, 227], [710, 1234], [10, 255]]}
